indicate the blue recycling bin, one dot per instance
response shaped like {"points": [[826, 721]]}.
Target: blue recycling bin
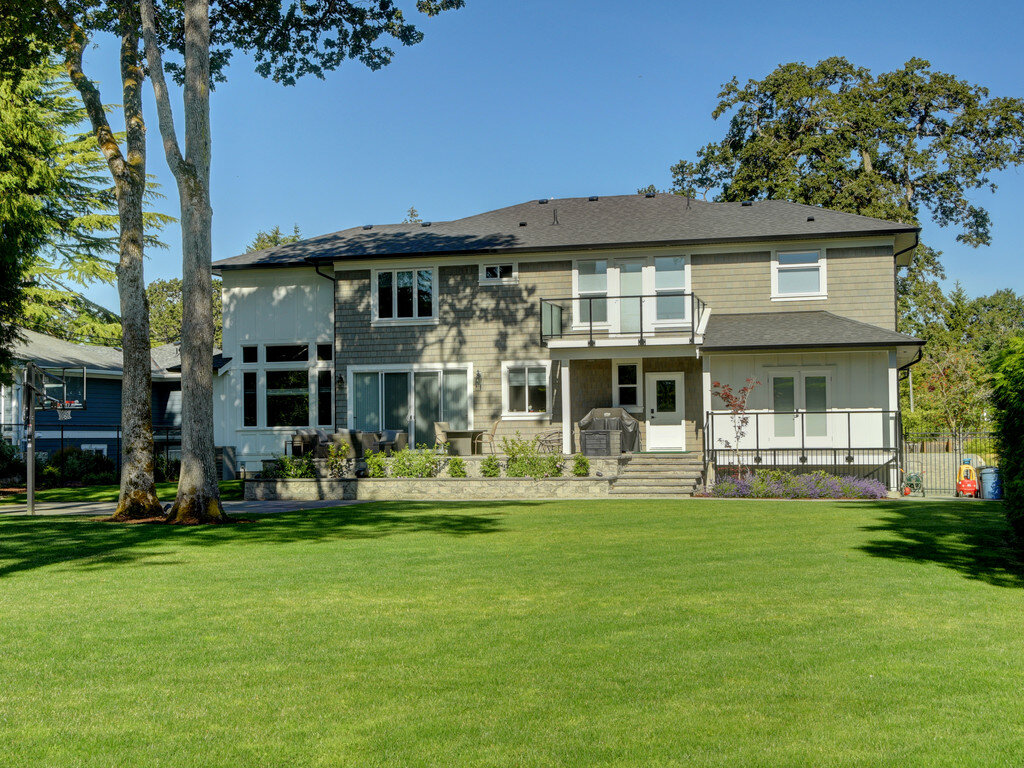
{"points": [[991, 486]]}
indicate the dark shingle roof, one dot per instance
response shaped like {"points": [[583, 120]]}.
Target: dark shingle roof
{"points": [[51, 352], [796, 330], [622, 220]]}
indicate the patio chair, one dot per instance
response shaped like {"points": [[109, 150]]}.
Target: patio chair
{"points": [[550, 442], [441, 430], [486, 438]]}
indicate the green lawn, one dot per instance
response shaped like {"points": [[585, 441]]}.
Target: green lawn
{"points": [[229, 489], [638, 633]]}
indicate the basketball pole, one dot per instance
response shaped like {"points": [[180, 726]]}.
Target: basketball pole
{"points": [[30, 448]]}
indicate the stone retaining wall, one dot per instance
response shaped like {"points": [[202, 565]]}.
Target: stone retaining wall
{"points": [[428, 489]]}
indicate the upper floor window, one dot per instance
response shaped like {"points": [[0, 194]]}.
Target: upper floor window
{"points": [[799, 275], [501, 273], [405, 294], [670, 287], [592, 288]]}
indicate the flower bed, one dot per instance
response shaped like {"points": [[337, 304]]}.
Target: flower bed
{"points": [[776, 484]]}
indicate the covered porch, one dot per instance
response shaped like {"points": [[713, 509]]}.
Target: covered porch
{"points": [[661, 388]]}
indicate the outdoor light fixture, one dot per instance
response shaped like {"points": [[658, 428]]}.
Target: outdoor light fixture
{"points": [[478, 377]]}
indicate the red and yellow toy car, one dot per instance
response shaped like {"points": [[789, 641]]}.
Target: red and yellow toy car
{"points": [[966, 480]]}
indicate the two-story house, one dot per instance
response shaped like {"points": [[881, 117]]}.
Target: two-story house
{"points": [[534, 314]]}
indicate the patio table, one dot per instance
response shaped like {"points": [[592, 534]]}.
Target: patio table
{"points": [[462, 442]]}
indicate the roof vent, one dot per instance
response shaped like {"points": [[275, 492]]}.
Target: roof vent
{"points": [[522, 223], [543, 201], [747, 203], [425, 224], [810, 218], [592, 198], [367, 226], [649, 194]]}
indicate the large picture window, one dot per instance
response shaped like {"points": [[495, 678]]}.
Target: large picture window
{"points": [[405, 294], [293, 386], [798, 275], [525, 389], [288, 398]]}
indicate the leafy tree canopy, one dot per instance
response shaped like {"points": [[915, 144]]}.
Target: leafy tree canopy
{"points": [[412, 216], [835, 135], [165, 311], [273, 237]]}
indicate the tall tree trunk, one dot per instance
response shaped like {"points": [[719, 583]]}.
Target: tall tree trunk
{"points": [[198, 498], [138, 497]]}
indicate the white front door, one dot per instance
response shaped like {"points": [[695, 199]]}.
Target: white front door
{"points": [[664, 406]]}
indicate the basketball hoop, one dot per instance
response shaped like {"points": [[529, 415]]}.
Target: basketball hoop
{"points": [[63, 414]]}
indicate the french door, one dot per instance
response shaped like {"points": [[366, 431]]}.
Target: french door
{"points": [[800, 401]]}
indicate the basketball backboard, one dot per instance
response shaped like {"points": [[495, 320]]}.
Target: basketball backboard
{"points": [[61, 389]]}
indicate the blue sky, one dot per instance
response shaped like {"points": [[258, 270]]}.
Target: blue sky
{"points": [[508, 101]]}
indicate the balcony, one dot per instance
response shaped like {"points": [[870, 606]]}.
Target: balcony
{"points": [[665, 317]]}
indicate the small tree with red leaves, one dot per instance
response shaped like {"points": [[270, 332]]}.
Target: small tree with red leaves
{"points": [[736, 402]]}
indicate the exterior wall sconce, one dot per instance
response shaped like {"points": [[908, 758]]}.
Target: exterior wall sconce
{"points": [[478, 378]]}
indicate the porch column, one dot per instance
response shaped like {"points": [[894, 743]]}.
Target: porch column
{"points": [[563, 372]]}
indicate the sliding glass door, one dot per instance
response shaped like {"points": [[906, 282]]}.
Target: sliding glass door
{"points": [[410, 401]]}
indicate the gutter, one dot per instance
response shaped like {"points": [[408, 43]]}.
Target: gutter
{"points": [[316, 268], [917, 242]]}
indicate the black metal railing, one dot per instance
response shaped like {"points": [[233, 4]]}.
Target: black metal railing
{"points": [[857, 442], [601, 316], [53, 437]]}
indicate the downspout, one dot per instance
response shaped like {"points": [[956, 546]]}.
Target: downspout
{"points": [[895, 270], [316, 268]]}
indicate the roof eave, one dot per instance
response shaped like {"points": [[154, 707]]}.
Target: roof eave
{"points": [[831, 344], [311, 260]]}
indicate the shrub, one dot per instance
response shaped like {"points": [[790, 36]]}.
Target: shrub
{"points": [[426, 463], [376, 464], [11, 464], [290, 467], [1008, 398], [490, 466], [165, 469], [72, 465], [456, 467], [779, 484], [402, 463], [580, 465], [551, 465], [337, 459]]}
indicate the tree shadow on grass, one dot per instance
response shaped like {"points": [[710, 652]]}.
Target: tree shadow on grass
{"points": [[27, 543], [969, 537]]}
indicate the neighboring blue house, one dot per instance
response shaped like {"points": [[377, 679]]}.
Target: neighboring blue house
{"points": [[97, 427]]}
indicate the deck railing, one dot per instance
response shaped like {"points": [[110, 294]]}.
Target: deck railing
{"points": [[857, 442], [632, 316]]}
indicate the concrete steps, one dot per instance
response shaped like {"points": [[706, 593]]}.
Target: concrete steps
{"points": [[657, 476]]}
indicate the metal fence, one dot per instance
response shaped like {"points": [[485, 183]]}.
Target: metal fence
{"points": [[103, 438], [935, 456], [857, 443]]}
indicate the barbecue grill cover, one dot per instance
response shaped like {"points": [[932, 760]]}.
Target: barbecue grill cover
{"points": [[614, 418]]}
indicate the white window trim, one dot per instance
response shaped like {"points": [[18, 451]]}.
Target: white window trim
{"points": [[613, 292], [508, 415], [822, 276], [312, 367], [377, 321], [639, 363], [799, 373], [576, 323], [513, 280]]}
